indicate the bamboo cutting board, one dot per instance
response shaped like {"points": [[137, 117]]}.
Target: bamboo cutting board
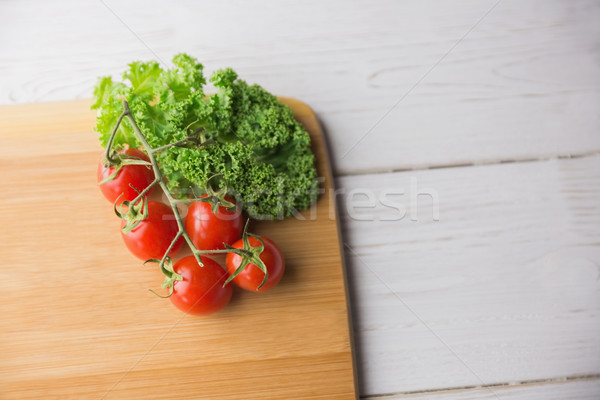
{"points": [[78, 321]]}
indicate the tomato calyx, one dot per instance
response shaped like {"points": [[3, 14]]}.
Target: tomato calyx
{"points": [[136, 211], [215, 194], [117, 161], [166, 267], [250, 255]]}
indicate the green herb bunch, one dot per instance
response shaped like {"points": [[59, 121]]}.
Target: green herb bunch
{"points": [[241, 132]]}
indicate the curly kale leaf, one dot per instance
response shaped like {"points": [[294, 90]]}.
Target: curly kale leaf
{"points": [[109, 104], [179, 83], [143, 77], [258, 147]]}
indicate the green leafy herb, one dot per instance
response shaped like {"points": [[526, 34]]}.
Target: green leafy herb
{"points": [[256, 145]]}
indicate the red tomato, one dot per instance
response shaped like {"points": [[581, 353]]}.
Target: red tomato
{"points": [[251, 277], [152, 237], [209, 230], [201, 291], [139, 176]]}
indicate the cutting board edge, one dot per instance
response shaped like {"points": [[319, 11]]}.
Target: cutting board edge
{"points": [[300, 106]]}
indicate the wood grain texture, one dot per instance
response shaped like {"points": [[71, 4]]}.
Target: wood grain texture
{"points": [[521, 83], [78, 321], [585, 389], [505, 287]]}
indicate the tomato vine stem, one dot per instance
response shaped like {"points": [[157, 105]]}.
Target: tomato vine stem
{"points": [[166, 146], [248, 253], [166, 255], [111, 139], [143, 192], [158, 179]]}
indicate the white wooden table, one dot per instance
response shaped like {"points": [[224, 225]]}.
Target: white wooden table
{"points": [[466, 143]]}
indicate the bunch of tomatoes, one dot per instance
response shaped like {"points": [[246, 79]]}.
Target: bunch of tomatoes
{"points": [[197, 289]]}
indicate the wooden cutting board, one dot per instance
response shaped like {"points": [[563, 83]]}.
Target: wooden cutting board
{"points": [[78, 321]]}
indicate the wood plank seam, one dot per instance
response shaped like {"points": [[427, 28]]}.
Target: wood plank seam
{"points": [[472, 164], [533, 382]]}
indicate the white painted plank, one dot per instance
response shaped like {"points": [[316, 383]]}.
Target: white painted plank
{"points": [[524, 83], [505, 287], [572, 390]]}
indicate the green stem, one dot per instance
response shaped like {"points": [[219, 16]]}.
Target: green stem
{"points": [[217, 251], [158, 177], [239, 252], [143, 192], [166, 146], [175, 239], [111, 139]]}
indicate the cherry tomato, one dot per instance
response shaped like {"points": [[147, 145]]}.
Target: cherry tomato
{"points": [[139, 176], [251, 277], [209, 230], [152, 237], [201, 291]]}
